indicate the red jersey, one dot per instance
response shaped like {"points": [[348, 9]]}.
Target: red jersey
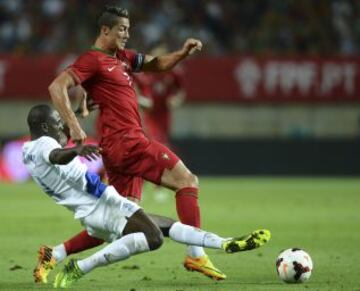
{"points": [[159, 87], [107, 79], [128, 156]]}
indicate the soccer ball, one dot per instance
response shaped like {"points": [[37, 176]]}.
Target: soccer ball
{"points": [[294, 265]]}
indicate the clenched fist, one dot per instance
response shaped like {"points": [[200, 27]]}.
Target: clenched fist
{"points": [[192, 45]]}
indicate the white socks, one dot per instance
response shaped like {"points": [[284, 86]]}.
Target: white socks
{"points": [[121, 249], [195, 251], [59, 253], [186, 234], [136, 243]]}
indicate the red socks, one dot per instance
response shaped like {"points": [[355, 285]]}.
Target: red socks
{"points": [[187, 206], [81, 242]]}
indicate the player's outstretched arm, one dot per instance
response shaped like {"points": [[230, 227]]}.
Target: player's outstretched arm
{"points": [[65, 156], [58, 90], [168, 61]]}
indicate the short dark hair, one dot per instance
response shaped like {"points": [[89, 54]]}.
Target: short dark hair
{"points": [[110, 15], [38, 114]]}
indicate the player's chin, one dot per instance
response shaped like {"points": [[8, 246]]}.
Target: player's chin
{"points": [[120, 45]]}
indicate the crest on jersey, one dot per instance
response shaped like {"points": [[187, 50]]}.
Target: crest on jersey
{"points": [[165, 156]]}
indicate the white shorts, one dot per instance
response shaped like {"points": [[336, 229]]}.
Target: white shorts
{"points": [[109, 217]]}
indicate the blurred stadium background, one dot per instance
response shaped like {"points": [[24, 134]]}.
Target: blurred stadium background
{"points": [[276, 90]]}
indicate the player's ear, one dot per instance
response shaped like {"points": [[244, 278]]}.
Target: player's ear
{"points": [[105, 30], [44, 127]]}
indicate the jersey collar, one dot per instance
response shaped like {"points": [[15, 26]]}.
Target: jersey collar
{"points": [[93, 47]]}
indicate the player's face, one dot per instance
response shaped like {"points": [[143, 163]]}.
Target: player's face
{"points": [[119, 33], [56, 128]]}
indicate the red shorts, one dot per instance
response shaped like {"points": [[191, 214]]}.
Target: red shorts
{"points": [[130, 159]]}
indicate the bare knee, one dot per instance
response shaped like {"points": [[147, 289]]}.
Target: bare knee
{"points": [[179, 177], [140, 222], [189, 180], [195, 181], [154, 236], [155, 239]]}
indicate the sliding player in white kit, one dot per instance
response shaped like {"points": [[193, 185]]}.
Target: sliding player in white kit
{"points": [[101, 210]]}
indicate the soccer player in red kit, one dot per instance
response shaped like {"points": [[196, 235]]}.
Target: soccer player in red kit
{"points": [[129, 156]]}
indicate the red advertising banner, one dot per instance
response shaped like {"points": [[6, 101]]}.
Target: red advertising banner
{"points": [[27, 78], [218, 79], [253, 79]]}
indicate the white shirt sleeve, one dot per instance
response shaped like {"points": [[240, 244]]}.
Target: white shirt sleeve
{"points": [[45, 146]]}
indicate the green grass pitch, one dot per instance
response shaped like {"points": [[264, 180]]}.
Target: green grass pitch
{"points": [[320, 215]]}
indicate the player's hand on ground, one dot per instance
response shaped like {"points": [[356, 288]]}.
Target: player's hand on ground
{"points": [[88, 151], [192, 45]]}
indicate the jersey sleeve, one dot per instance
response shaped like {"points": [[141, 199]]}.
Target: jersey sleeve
{"points": [[136, 60], [45, 146], [84, 68]]}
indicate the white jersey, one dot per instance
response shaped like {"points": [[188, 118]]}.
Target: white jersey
{"points": [[69, 185]]}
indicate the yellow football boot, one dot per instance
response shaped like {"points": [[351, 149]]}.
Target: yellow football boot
{"points": [[68, 275], [247, 242], [205, 266], [46, 263]]}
